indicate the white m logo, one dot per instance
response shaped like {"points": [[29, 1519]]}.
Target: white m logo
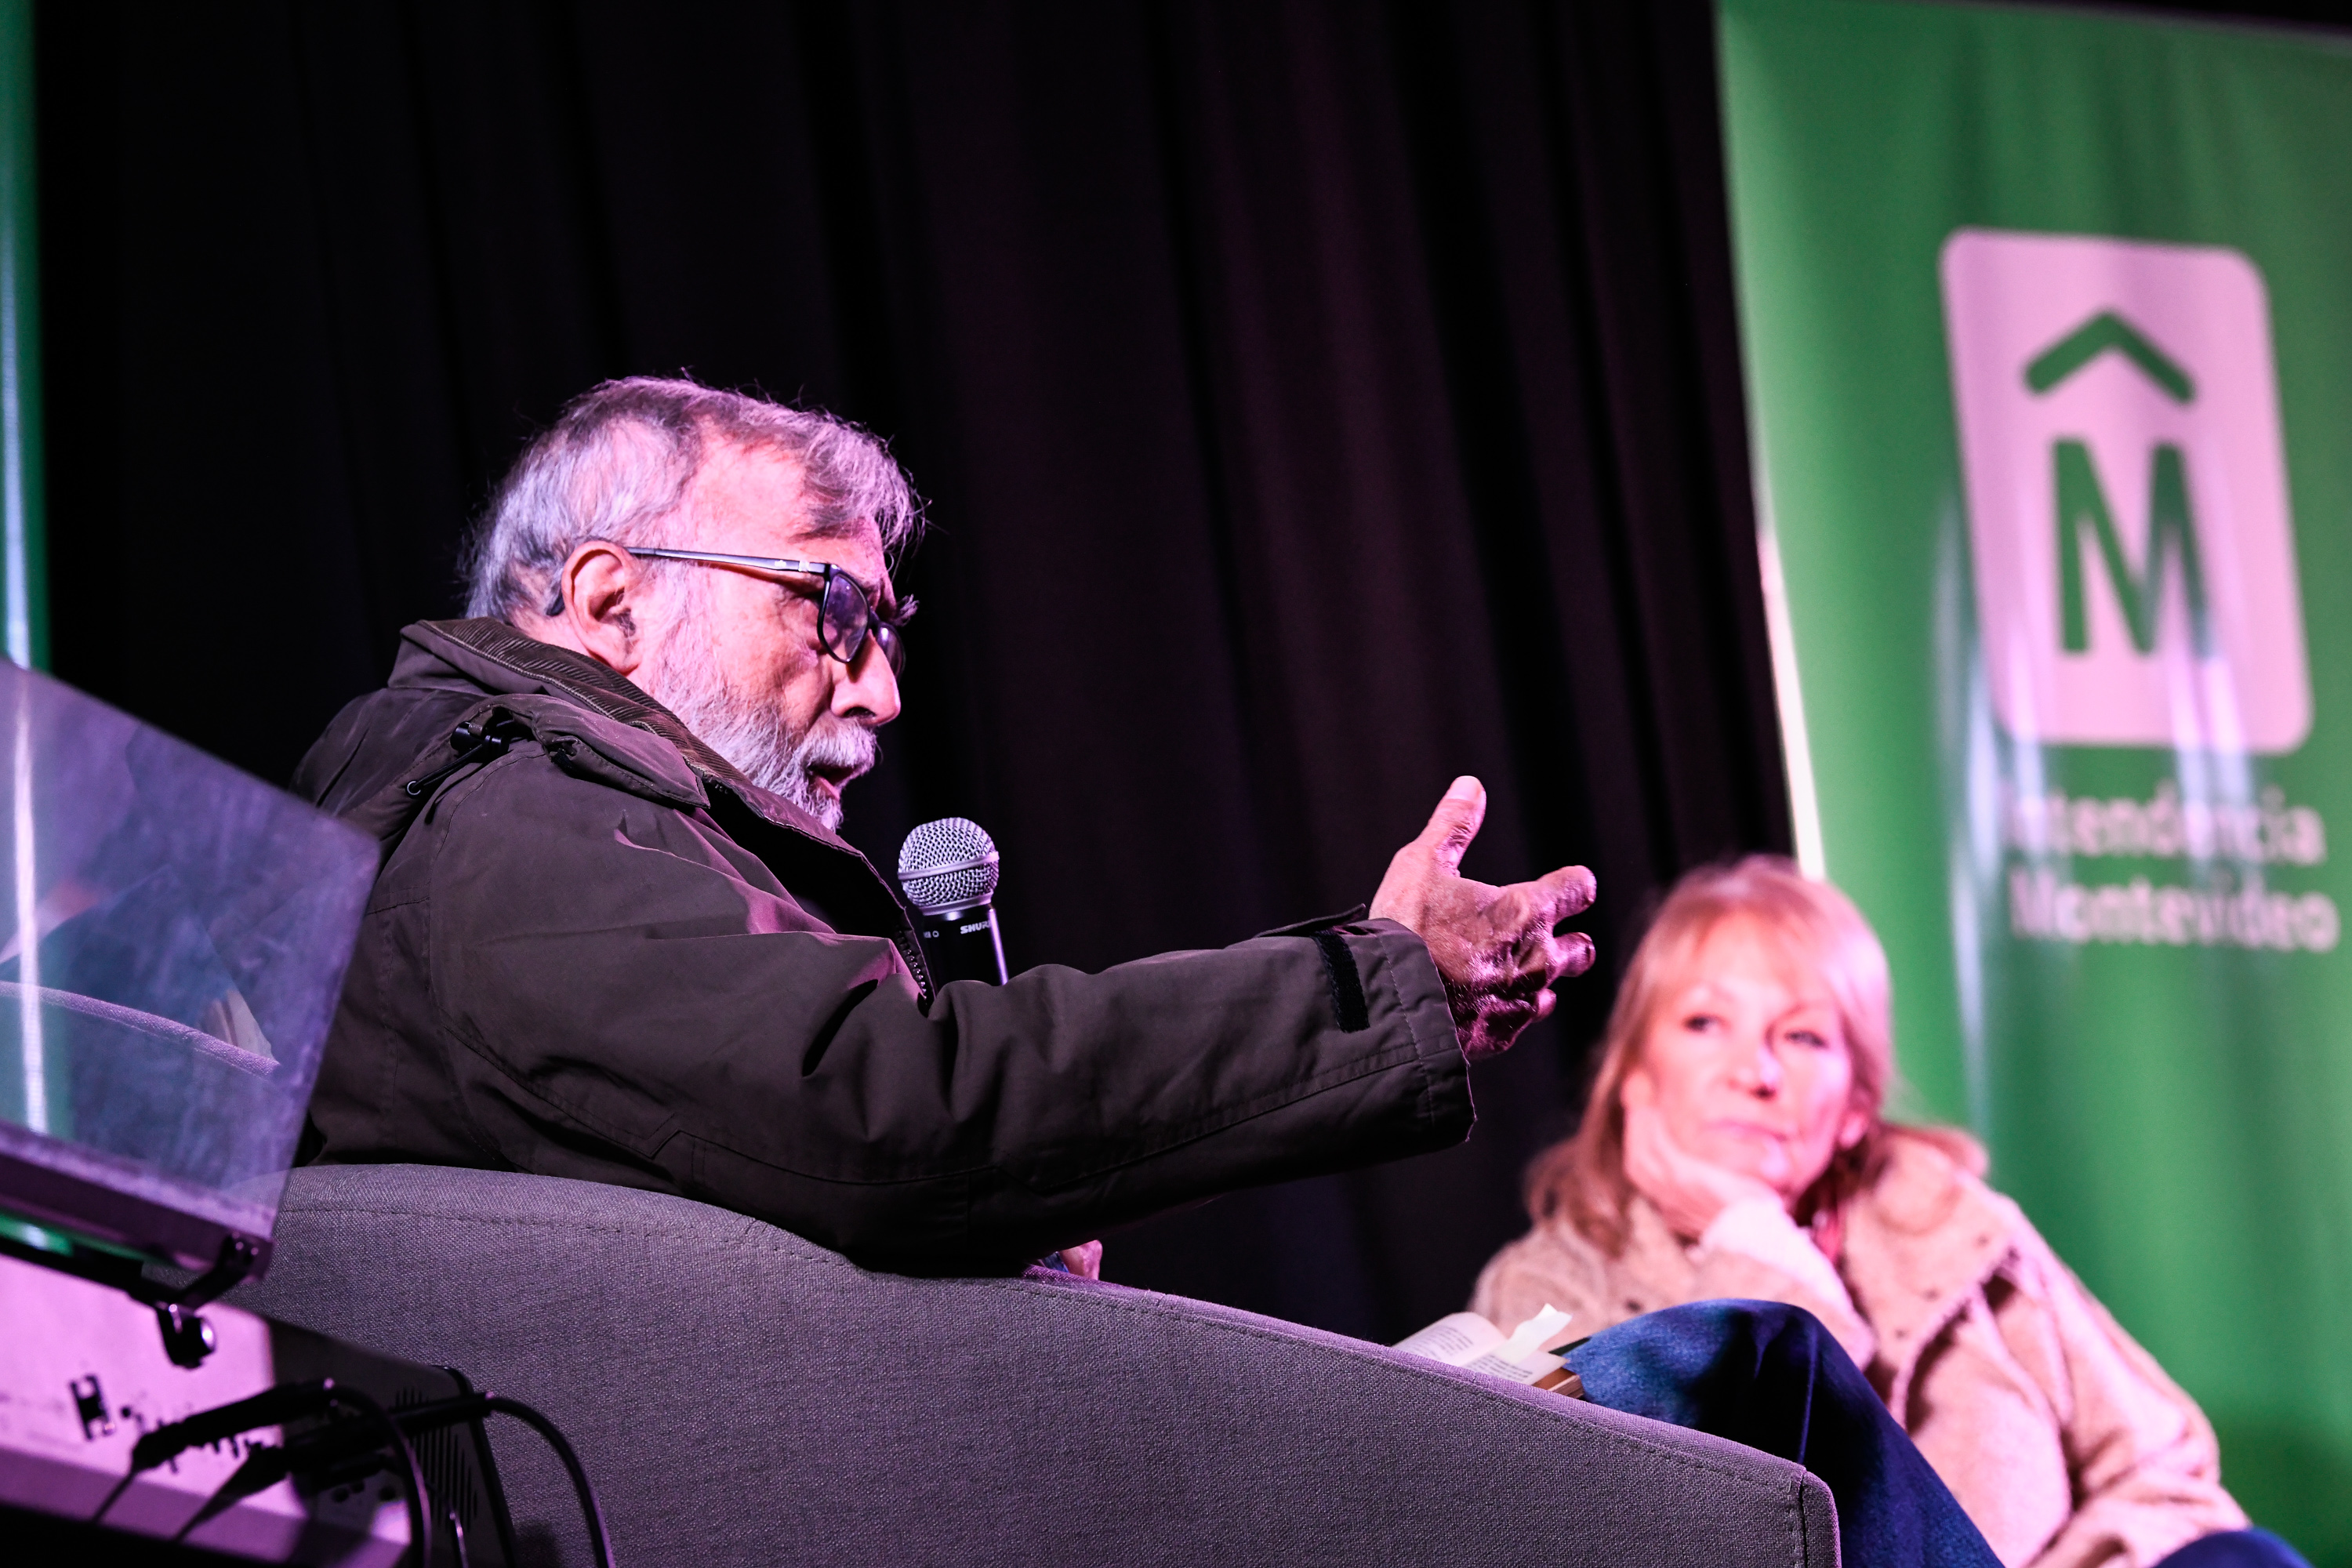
{"points": [[2126, 492]]}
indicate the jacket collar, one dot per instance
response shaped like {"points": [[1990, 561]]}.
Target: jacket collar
{"points": [[504, 662], [1920, 1244], [500, 660]]}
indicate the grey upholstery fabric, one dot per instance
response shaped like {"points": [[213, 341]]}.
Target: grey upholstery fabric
{"points": [[740, 1395]]}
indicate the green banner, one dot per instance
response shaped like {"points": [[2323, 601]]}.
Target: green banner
{"points": [[2048, 321], [24, 612]]}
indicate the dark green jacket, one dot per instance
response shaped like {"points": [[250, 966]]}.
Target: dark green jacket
{"points": [[599, 951]]}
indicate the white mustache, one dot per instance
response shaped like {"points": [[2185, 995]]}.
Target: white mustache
{"points": [[848, 750]]}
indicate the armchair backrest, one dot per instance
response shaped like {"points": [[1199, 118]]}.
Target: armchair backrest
{"points": [[741, 1396]]}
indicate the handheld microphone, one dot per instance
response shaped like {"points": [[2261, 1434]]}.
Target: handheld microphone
{"points": [[948, 870]]}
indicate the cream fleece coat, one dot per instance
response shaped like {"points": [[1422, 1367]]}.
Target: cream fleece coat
{"points": [[2062, 1439]]}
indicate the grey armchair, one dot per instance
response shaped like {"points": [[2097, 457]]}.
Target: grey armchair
{"points": [[740, 1395]]}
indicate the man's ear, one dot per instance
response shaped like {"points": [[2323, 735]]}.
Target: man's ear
{"points": [[601, 583]]}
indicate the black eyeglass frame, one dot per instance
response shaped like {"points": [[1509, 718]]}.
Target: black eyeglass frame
{"points": [[883, 629]]}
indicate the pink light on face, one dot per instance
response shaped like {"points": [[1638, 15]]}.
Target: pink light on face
{"points": [[1747, 1064]]}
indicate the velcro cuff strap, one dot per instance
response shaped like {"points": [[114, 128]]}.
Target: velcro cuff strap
{"points": [[1347, 982]]}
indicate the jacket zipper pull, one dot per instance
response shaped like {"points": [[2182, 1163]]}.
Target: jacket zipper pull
{"points": [[483, 745]]}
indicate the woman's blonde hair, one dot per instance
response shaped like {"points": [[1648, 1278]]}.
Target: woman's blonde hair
{"points": [[1814, 927]]}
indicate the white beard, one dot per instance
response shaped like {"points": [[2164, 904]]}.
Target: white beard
{"points": [[753, 736]]}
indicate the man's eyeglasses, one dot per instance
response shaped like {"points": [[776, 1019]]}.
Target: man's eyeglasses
{"points": [[847, 615]]}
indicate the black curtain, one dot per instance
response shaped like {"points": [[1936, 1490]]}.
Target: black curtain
{"points": [[1316, 400]]}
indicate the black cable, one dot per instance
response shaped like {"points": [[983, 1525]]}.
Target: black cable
{"points": [[277, 1405], [589, 1509], [420, 1525], [493, 1488], [115, 1496], [271, 1408]]}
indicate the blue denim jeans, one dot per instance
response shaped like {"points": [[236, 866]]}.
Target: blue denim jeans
{"points": [[1770, 1376], [2236, 1549]]}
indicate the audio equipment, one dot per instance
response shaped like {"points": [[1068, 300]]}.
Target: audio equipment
{"points": [[948, 869]]}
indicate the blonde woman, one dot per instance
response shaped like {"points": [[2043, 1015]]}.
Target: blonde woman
{"points": [[1733, 1146]]}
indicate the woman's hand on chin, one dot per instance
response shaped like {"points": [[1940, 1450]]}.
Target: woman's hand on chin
{"points": [[1685, 1188]]}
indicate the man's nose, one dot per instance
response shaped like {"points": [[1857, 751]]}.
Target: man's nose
{"points": [[869, 688]]}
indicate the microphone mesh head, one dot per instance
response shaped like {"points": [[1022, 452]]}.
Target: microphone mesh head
{"points": [[946, 865]]}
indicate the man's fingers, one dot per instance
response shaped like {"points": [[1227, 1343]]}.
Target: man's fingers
{"points": [[1567, 891], [1544, 959], [1525, 912], [1532, 909], [1578, 954], [1505, 1015], [1455, 823]]}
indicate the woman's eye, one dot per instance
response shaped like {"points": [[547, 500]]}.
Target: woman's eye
{"points": [[1702, 1022], [1813, 1037]]}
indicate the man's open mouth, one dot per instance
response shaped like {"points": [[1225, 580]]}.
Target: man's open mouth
{"points": [[832, 778]]}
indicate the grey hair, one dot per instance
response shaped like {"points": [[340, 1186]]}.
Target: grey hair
{"points": [[618, 464]]}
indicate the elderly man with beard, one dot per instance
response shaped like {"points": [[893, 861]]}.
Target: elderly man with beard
{"points": [[616, 937]]}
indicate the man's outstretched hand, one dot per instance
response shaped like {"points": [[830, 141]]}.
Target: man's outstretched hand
{"points": [[1495, 947]]}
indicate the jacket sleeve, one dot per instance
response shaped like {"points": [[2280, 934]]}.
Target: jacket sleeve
{"points": [[2144, 1468], [613, 974]]}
